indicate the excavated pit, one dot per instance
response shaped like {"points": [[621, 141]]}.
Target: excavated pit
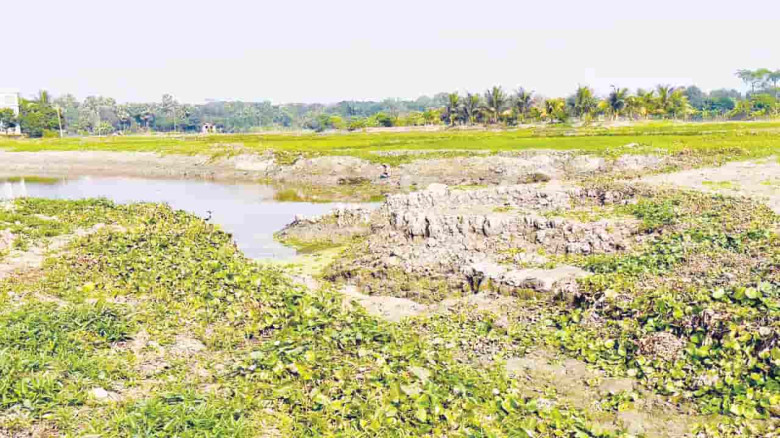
{"points": [[428, 245]]}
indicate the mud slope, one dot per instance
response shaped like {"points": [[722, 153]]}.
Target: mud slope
{"points": [[757, 179]]}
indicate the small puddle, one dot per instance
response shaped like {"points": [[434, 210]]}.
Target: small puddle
{"points": [[247, 211]]}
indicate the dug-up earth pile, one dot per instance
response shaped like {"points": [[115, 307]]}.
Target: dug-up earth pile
{"points": [[427, 245]]}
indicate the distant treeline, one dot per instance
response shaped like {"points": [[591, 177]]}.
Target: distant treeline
{"points": [[44, 115]]}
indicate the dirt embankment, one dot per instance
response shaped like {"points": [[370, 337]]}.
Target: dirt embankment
{"points": [[508, 168], [431, 244]]}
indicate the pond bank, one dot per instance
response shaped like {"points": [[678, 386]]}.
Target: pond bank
{"points": [[330, 177]]}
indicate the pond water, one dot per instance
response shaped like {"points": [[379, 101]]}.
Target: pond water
{"points": [[247, 211]]}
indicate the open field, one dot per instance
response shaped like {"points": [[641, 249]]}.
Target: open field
{"points": [[728, 139], [349, 166]]}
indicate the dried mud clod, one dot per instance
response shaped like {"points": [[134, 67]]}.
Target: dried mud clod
{"points": [[425, 243]]}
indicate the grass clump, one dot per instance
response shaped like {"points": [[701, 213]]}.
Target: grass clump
{"points": [[720, 184], [695, 312], [52, 356]]}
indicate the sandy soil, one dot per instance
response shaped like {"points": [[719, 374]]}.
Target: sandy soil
{"points": [[757, 179]]}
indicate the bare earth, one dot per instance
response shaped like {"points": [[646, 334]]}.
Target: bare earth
{"points": [[103, 163], [757, 179], [505, 168]]}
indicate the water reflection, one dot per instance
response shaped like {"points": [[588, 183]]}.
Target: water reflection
{"points": [[248, 211]]}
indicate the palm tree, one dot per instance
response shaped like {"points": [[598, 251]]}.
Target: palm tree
{"points": [[678, 103], [635, 107], [617, 100], [495, 101], [523, 102], [471, 107], [555, 109], [584, 102], [647, 100], [664, 99], [453, 108], [43, 97]]}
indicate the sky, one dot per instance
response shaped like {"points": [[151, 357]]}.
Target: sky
{"points": [[328, 51]]}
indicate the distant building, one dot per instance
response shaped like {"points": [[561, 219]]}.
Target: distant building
{"points": [[10, 99]]}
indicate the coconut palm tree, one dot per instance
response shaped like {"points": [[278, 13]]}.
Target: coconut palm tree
{"points": [[647, 100], [664, 99], [617, 100], [453, 108], [495, 101], [584, 101], [471, 107], [555, 109], [523, 102], [678, 103], [635, 107]]}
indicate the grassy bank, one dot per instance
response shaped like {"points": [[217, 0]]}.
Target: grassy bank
{"points": [[165, 329], [159, 326], [727, 140]]}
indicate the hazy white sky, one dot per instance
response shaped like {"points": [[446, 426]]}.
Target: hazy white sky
{"points": [[326, 51]]}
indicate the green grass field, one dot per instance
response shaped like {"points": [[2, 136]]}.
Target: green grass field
{"points": [[727, 140]]}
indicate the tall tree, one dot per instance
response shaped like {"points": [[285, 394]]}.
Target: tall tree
{"points": [[69, 106], [37, 117], [124, 117], [664, 99], [695, 96], [635, 107], [523, 102], [170, 107], [678, 103], [584, 101], [495, 102], [647, 100], [453, 108], [471, 107], [617, 100], [761, 77], [555, 110], [43, 97], [7, 119], [774, 78], [747, 77]]}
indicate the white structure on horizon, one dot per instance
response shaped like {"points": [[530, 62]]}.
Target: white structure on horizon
{"points": [[10, 99]]}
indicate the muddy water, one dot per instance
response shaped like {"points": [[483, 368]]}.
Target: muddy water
{"points": [[248, 211]]}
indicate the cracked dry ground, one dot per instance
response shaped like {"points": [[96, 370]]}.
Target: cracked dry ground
{"points": [[629, 302]]}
